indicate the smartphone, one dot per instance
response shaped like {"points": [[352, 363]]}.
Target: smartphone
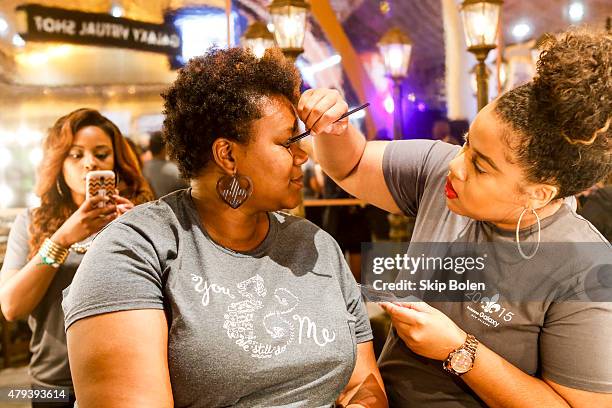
{"points": [[100, 183]]}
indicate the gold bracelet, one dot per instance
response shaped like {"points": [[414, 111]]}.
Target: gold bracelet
{"points": [[52, 254]]}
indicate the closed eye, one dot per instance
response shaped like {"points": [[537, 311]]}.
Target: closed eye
{"points": [[477, 167]]}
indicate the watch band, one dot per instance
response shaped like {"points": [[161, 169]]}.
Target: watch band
{"points": [[470, 345]]}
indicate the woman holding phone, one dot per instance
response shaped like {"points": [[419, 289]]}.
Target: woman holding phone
{"points": [[511, 184], [46, 244]]}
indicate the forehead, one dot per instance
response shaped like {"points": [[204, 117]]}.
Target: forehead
{"points": [[278, 115], [91, 136], [487, 135]]}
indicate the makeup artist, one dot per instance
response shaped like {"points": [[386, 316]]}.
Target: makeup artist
{"points": [[525, 154]]}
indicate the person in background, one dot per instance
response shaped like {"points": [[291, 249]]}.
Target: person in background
{"points": [[137, 151], [346, 223], [312, 190], [46, 244], [458, 129], [441, 131], [161, 173]]}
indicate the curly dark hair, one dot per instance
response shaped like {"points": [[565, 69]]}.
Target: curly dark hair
{"points": [[561, 119], [219, 95]]}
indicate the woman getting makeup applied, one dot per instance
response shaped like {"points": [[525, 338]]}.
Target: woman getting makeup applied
{"points": [[525, 155], [211, 297]]}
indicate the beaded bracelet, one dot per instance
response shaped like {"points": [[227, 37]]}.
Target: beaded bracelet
{"points": [[52, 254]]}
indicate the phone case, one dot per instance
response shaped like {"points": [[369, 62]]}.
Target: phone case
{"points": [[100, 183]]}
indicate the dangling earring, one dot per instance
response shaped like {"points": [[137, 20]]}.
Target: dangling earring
{"points": [[234, 189], [59, 188], [518, 227]]}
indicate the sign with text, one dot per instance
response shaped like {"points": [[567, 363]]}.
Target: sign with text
{"points": [[99, 29]]}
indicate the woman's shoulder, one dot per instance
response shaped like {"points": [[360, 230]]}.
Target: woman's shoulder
{"points": [[572, 227], [23, 217], [155, 216]]}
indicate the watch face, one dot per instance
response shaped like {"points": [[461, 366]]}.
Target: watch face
{"points": [[461, 361]]}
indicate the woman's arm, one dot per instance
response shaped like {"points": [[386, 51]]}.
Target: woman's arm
{"points": [[22, 289], [342, 151], [501, 384], [365, 388], [430, 333], [120, 359]]}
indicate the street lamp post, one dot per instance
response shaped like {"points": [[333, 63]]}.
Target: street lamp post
{"points": [[289, 19], [480, 21], [395, 48], [502, 75], [258, 38]]}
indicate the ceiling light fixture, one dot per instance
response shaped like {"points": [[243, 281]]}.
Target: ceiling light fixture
{"points": [[520, 31], [576, 11]]}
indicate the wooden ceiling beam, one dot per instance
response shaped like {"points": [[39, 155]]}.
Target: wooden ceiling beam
{"points": [[352, 64]]}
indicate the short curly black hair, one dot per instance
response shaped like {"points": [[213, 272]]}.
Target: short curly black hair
{"points": [[561, 120], [217, 95]]}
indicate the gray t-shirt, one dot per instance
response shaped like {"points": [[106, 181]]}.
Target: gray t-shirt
{"points": [[567, 342], [277, 326], [49, 363]]}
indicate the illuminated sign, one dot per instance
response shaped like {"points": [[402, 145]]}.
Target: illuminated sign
{"points": [[77, 27]]}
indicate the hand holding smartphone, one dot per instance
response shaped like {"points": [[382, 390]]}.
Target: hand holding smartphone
{"points": [[100, 183]]}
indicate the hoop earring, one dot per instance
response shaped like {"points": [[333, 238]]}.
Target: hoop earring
{"points": [[234, 190], [59, 188], [518, 241]]}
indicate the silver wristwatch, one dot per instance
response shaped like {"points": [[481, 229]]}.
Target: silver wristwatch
{"points": [[461, 360]]}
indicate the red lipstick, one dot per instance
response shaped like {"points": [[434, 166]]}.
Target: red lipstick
{"points": [[449, 190]]}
